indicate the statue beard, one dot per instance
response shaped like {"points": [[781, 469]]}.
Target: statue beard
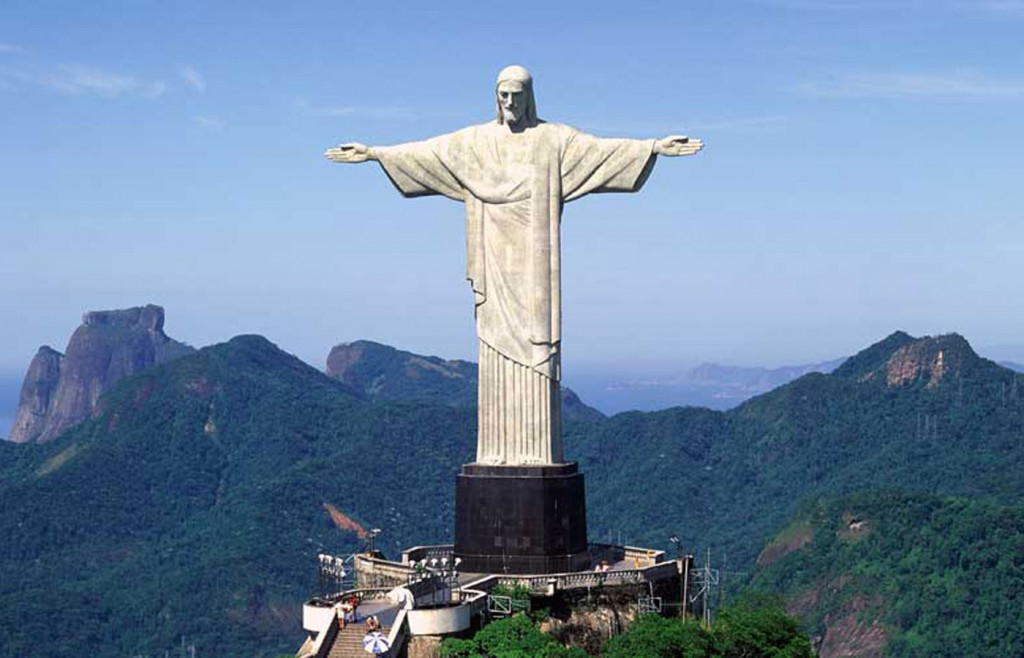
{"points": [[511, 118], [527, 116]]}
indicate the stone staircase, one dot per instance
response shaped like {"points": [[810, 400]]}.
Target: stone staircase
{"points": [[349, 642]]}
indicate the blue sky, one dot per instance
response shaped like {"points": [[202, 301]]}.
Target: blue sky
{"points": [[863, 171]]}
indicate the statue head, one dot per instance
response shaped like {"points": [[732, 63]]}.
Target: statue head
{"points": [[514, 90]]}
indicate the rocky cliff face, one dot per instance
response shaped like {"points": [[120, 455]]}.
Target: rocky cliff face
{"points": [[931, 360], [902, 361], [37, 392], [61, 391]]}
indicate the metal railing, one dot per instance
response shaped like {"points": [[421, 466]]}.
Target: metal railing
{"points": [[429, 552]]}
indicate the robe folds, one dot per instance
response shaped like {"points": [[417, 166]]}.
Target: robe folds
{"points": [[513, 186]]}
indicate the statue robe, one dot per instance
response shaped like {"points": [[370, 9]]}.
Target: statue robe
{"points": [[513, 186]]}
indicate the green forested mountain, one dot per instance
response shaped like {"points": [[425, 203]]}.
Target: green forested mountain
{"points": [[383, 373], [917, 414], [194, 503], [910, 574]]}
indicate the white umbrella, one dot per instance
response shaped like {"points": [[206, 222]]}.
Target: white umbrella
{"points": [[375, 642]]}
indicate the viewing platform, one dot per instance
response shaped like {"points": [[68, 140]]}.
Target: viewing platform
{"points": [[424, 596]]}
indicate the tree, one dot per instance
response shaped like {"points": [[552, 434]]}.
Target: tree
{"points": [[741, 631], [514, 637], [651, 636], [751, 632]]}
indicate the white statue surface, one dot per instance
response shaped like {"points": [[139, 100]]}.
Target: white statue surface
{"points": [[514, 176]]}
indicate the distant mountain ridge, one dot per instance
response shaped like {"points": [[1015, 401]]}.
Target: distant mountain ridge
{"points": [[62, 390], [709, 384], [749, 381], [382, 372]]}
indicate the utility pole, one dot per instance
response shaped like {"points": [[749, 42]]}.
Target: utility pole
{"points": [[707, 590], [686, 582], [704, 579]]}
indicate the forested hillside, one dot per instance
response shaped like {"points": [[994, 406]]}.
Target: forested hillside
{"points": [[193, 505], [917, 414], [910, 574]]}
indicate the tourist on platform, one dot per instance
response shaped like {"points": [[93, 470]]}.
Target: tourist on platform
{"points": [[348, 609]]}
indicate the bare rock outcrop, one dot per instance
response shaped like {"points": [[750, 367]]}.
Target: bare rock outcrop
{"points": [[61, 391], [37, 393], [930, 359], [902, 361]]}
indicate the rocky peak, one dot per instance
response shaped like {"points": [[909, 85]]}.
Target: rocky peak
{"points": [[902, 360], [871, 358], [929, 359], [62, 391], [149, 318], [37, 392]]}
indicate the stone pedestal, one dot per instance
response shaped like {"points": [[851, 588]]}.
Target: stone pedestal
{"points": [[521, 519]]}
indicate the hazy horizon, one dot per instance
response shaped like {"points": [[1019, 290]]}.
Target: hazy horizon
{"points": [[644, 386]]}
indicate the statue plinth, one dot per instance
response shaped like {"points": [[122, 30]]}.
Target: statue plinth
{"points": [[521, 519]]}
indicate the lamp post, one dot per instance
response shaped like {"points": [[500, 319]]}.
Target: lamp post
{"points": [[684, 566], [445, 576]]}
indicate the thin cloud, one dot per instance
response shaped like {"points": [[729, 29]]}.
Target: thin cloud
{"points": [[78, 80], [11, 48], [192, 78], [363, 111], [912, 85], [211, 123], [154, 90]]}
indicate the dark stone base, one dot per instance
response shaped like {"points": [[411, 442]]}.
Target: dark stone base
{"points": [[521, 519]]}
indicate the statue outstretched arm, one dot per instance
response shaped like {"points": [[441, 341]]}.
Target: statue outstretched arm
{"points": [[415, 168], [351, 153], [674, 145]]}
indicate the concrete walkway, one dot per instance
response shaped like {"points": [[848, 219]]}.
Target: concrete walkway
{"points": [[349, 642]]}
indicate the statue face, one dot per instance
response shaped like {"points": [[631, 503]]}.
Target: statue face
{"points": [[512, 101]]}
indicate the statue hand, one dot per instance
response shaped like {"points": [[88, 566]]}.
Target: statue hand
{"points": [[350, 153], [677, 145]]}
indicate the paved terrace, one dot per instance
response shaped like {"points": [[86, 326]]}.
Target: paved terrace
{"points": [[387, 587]]}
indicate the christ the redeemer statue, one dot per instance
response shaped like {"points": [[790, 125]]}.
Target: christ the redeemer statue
{"points": [[514, 175]]}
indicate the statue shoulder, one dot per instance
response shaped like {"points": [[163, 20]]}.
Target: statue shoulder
{"points": [[560, 128], [562, 134], [457, 138]]}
